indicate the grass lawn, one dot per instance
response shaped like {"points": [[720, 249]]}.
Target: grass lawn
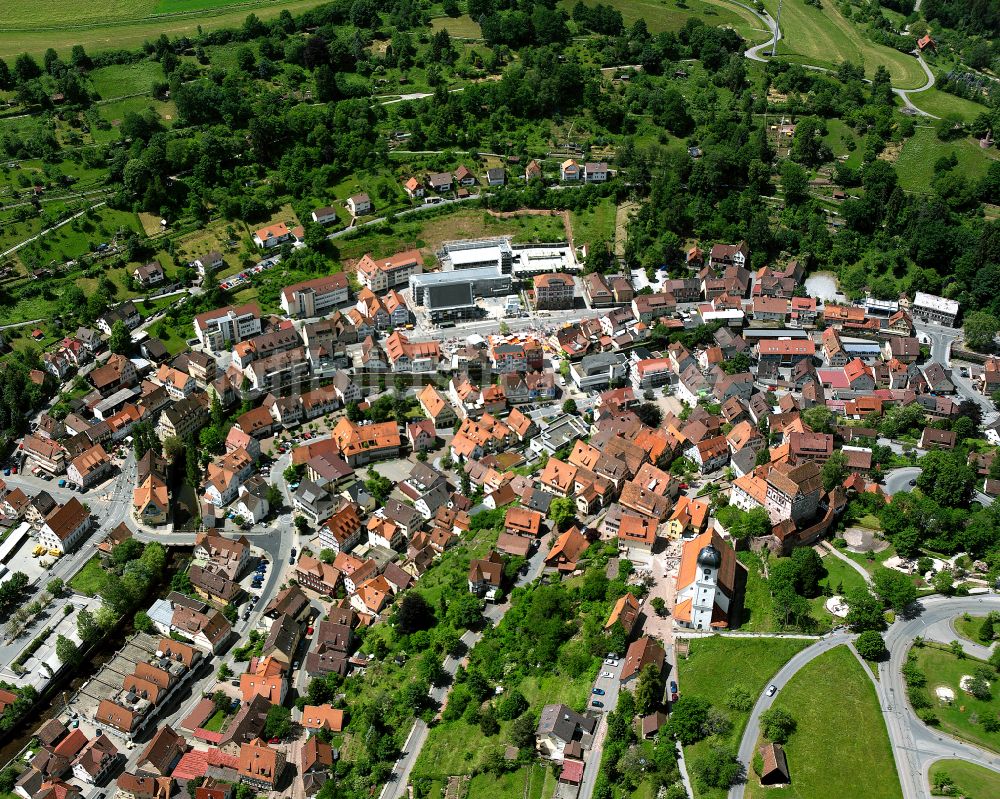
{"points": [[838, 572], [89, 578], [841, 579], [121, 79], [876, 560], [968, 778], [125, 24], [525, 783], [720, 661], [834, 738], [915, 165], [941, 104], [757, 615], [214, 724], [461, 27], [556, 689], [941, 667], [969, 628], [594, 224], [824, 38], [456, 747]]}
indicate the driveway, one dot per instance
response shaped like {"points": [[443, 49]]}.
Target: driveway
{"points": [[612, 688]]}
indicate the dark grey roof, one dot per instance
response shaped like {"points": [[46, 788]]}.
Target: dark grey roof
{"points": [[564, 723]]}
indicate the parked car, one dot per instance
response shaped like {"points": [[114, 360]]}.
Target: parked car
{"points": [[674, 697], [597, 703], [607, 675], [598, 692], [610, 662], [673, 686]]}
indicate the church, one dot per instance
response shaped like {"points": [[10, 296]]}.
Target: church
{"points": [[707, 583]]}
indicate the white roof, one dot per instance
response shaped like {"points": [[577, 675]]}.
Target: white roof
{"points": [[936, 303], [475, 255], [161, 611]]}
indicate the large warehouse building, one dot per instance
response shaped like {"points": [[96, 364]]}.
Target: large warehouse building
{"points": [[452, 295]]}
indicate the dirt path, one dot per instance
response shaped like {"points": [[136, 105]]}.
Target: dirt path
{"points": [[622, 216]]}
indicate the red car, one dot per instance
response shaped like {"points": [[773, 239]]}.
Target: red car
{"points": [[684, 486], [274, 741], [309, 631]]}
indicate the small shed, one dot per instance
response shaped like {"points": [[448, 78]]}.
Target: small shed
{"points": [[775, 770]]}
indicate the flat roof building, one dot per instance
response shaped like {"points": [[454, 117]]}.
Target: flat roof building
{"points": [[931, 308]]}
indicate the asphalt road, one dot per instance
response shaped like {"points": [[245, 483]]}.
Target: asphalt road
{"points": [[915, 745], [612, 688], [898, 480]]}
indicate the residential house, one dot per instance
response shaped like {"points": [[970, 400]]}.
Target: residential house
{"points": [[641, 653], [272, 236], [148, 274], [315, 297], [486, 575], [359, 204], [387, 273], [559, 726], [324, 215]]}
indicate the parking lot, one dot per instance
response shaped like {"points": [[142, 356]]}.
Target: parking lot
{"points": [[608, 685]]}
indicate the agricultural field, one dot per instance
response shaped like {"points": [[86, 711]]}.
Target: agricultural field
{"points": [[34, 27], [915, 164], [832, 738], [824, 38], [667, 15]]}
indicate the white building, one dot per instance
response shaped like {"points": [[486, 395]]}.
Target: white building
{"points": [[931, 308]]}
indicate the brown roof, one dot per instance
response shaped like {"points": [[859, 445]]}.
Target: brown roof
{"points": [[641, 653], [114, 715], [488, 570], [523, 521], [794, 480], [689, 561], [260, 762], [568, 549], [625, 611], [67, 518]]}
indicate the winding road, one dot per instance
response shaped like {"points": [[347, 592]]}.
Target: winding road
{"points": [[755, 53], [915, 746]]}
